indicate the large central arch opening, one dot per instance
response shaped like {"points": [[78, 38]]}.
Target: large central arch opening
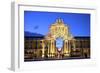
{"points": [[59, 43]]}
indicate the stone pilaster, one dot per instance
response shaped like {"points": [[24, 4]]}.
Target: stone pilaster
{"points": [[43, 46]]}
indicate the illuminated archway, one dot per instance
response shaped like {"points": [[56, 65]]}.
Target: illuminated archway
{"points": [[59, 30]]}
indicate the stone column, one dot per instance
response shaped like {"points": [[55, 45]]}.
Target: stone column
{"points": [[69, 47], [43, 46], [48, 48], [65, 47], [74, 44], [52, 47]]}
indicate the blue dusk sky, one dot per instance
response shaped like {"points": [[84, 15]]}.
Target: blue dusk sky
{"points": [[39, 22]]}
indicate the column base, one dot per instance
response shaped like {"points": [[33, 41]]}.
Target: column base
{"points": [[42, 56]]}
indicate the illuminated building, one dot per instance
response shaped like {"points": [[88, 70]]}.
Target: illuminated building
{"points": [[57, 44]]}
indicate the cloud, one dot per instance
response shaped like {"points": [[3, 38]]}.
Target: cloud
{"points": [[36, 27]]}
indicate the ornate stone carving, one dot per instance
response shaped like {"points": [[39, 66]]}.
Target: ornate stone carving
{"points": [[59, 30]]}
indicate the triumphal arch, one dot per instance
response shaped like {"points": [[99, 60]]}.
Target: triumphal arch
{"points": [[58, 41]]}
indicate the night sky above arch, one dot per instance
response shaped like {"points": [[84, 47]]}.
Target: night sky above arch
{"points": [[39, 22]]}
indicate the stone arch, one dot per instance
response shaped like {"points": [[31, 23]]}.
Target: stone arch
{"points": [[59, 30]]}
